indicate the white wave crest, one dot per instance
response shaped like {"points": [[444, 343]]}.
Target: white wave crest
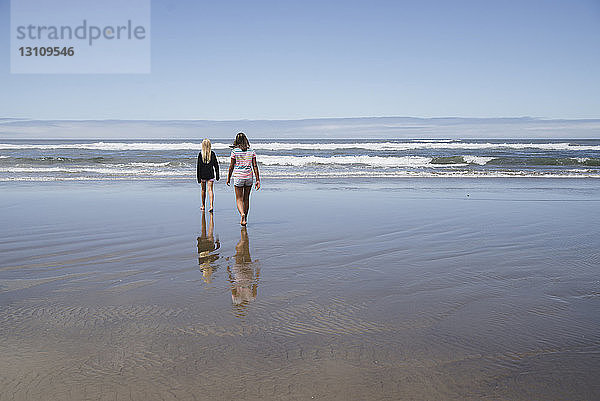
{"points": [[404, 146], [433, 174], [123, 170], [327, 174], [141, 164], [108, 146], [275, 146], [373, 161], [481, 160]]}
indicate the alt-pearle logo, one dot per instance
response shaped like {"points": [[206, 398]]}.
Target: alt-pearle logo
{"points": [[80, 36]]}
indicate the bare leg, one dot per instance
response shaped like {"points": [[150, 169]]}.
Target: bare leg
{"points": [[203, 185], [239, 199], [211, 195], [247, 191]]}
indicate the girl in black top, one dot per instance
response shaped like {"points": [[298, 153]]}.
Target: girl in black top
{"points": [[207, 169]]}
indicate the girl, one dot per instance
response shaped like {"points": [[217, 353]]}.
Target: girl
{"points": [[243, 161], [206, 170]]}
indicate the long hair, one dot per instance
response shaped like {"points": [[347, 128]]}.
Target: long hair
{"points": [[241, 142], [206, 147]]}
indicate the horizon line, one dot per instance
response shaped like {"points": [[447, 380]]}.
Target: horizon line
{"points": [[305, 119]]}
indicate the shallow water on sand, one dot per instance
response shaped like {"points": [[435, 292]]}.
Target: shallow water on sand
{"points": [[406, 289]]}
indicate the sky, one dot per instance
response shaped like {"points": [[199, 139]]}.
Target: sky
{"points": [[230, 60]]}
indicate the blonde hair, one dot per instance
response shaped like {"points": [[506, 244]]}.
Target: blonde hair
{"points": [[206, 148]]}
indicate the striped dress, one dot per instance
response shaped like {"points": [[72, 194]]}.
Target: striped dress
{"points": [[243, 163]]}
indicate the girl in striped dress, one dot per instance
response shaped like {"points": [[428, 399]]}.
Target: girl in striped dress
{"points": [[243, 162]]}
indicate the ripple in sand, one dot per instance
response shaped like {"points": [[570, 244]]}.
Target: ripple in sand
{"points": [[8, 285], [124, 287]]}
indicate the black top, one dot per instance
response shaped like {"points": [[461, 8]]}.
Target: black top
{"points": [[207, 171]]}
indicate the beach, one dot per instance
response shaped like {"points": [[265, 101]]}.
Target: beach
{"points": [[426, 228], [338, 289]]}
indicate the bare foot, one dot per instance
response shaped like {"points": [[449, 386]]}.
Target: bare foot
{"points": [[243, 221], [201, 207]]}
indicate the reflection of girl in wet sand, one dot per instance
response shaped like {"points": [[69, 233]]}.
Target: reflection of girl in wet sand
{"points": [[206, 246], [244, 274]]}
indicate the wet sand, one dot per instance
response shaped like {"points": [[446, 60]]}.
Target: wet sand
{"points": [[400, 289]]}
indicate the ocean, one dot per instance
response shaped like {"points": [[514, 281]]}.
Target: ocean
{"points": [[101, 160]]}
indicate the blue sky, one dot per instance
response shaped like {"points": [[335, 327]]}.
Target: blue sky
{"points": [[231, 60]]}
